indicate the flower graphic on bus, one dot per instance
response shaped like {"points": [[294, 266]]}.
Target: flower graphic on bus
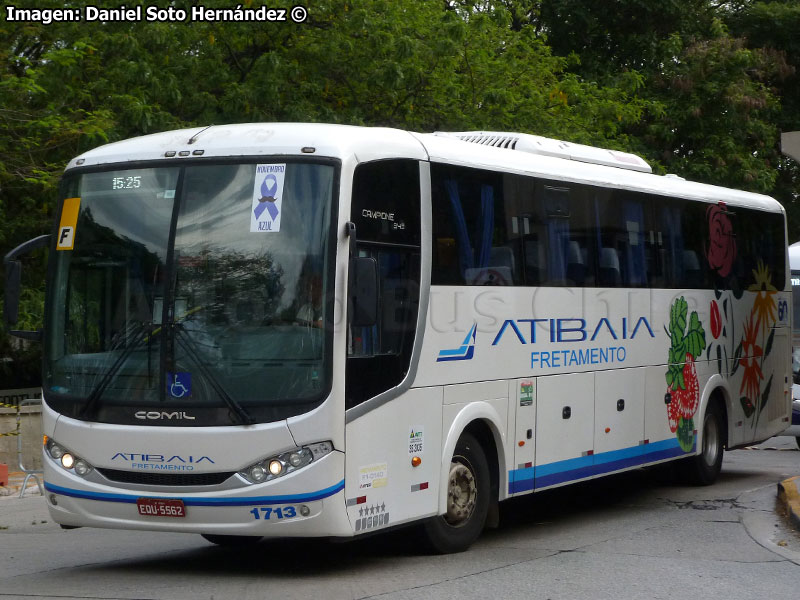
{"points": [[687, 342], [764, 306], [716, 320], [721, 250], [752, 355], [755, 341]]}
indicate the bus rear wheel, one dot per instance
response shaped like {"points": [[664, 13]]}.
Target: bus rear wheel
{"points": [[704, 468], [468, 487], [231, 541]]}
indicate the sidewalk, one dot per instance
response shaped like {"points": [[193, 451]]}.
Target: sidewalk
{"points": [[15, 485]]}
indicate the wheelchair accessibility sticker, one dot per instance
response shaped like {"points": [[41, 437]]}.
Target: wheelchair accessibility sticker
{"points": [[179, 385]]}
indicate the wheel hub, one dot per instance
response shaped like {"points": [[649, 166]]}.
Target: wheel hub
{"points": [[462, 494]]}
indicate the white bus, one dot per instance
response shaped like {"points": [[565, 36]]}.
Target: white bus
{"points": [[315, 330], [794, 265]]}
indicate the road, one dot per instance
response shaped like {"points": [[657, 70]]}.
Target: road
{"points": [[637, 535]]}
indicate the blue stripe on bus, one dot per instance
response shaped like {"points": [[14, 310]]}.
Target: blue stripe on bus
{"points": [[192, 501], [541, 476]]}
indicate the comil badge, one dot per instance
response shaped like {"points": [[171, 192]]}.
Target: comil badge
{"points": [[265, 213]]}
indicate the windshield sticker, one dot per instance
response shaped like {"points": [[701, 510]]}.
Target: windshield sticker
{"points": [[265, 215], [179, 384], [69, 221]]}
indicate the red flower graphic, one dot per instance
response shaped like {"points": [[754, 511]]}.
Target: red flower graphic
{"points": [[684, 401], [716, 321], [751, 356], [722, 246]]}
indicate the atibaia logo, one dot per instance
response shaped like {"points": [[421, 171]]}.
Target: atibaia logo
{"points": [[463, 352]]}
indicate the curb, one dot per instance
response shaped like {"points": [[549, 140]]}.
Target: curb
{"points": [[789, 497]]}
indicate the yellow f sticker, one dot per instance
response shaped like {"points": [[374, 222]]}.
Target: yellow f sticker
{"points": [[69, 221]]}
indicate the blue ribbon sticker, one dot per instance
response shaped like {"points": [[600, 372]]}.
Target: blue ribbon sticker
{"points": [[267, 192]]}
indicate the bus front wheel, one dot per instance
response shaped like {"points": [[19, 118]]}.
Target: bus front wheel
{"points": [[468, 486]]}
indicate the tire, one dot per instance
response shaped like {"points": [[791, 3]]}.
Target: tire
{"points": [[797, 439], [704, 468], [231, 541], [467, 500]]}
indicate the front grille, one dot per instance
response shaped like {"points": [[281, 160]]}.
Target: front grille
{"points": [[171, 479]]}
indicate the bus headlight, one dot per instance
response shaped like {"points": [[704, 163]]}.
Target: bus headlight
{"points": [[278, 466], [67, 459]]}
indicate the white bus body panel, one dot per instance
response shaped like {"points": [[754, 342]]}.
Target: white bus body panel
{"points": [[587, 349], [484, 401], [382, 487], [261, 139]]}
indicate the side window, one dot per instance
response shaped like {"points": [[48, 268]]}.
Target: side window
{"points": [[472, 220], [556, 228], [694, 223], [625, 242], [681, 244], [760, 238], [669, 243], [386, 212]]}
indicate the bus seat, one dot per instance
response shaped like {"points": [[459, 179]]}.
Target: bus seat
{"points": [[609, 272], [576, 266], [503, 256]]}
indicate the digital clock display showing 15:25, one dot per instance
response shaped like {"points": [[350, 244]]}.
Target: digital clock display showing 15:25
{"points": [[131, 182]]}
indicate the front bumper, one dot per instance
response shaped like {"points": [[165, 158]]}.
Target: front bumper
{"points": [[307, 503]]}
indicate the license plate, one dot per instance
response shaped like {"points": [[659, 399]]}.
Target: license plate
{"points": [[159, 507]]}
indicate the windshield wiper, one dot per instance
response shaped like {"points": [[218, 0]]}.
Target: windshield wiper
{"points": [[136, 336], [186, 341]]}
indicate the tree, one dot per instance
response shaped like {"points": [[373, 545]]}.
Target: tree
{"points": [[771, 27], [711, 112]]}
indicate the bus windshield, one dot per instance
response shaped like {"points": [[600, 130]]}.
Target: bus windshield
{"points": [[192, 295]]}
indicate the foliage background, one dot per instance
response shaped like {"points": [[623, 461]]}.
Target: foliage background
{"points": [[700, 88]]}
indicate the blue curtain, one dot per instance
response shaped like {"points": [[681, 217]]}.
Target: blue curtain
{"points": [[471, 256], [465, 260]]}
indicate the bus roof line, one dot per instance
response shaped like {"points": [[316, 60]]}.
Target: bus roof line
{"points": [[544, 146]]}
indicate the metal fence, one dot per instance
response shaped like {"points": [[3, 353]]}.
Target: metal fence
{"points": [[26, 405]]}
